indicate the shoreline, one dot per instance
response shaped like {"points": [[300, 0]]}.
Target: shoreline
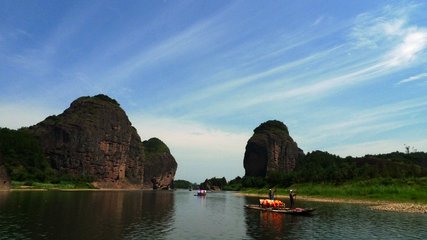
{"points": [[378, 205]]}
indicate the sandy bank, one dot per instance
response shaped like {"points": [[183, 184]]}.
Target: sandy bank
{"points": [[372, 204]]}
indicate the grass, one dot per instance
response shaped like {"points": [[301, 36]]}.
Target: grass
{"points": [[60, 185], [384, 189]]}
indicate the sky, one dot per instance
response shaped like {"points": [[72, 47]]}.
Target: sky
{"points": [[347, 77]]}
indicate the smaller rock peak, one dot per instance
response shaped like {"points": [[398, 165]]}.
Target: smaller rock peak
{"points": [[272, 126]]}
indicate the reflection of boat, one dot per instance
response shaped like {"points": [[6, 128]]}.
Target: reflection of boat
{"points": [[200, 192], [295, 211]]}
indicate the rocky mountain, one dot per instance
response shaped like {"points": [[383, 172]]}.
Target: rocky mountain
{"points": [[94, 139], [270, 149], [160, 166]]}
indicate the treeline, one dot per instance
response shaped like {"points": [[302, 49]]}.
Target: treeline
{"points": [[209, 184], [323, 167], [23, 157]]}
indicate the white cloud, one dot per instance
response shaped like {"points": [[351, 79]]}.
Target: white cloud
{"points": [[194, 145], [414, 41], [413, 78], [389, 29], [364, 126], [318, 20]]}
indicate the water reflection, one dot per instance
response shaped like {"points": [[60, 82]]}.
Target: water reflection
{"points": [[3, 197], [87, 215], [181, 215]]}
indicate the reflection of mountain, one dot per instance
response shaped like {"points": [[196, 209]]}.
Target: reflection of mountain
{"points": [[95, 215], [155, 216], [3, 197]]}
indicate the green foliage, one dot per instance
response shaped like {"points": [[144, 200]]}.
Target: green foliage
{"points": [[25, 162], [322, 167], [219, 182], [58, 185], [402, 190], [107, 99], [253, 182], [155, 145], [23, 156], [279, 179], [234, 185], [272, 125], [182, 184]]}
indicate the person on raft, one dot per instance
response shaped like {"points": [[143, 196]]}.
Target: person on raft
{"points": [[292, 196], [270, 194]]}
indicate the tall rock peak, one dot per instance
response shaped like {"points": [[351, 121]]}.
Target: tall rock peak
{"points": [[270, 149], [94, 138]]}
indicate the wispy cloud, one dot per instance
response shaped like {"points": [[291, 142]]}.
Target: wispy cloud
{"points": [[368, 123], [413, 78], [375, 147], [198, 37], [318, 20], [414, 42], [404, 44]]}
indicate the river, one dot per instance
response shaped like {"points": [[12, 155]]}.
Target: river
{"points": [[181, 215]]}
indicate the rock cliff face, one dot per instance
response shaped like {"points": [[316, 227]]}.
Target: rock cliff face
{"points": [[270, 149], [94, 139], [160, 166]]}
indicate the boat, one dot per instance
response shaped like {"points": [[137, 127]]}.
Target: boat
{"points": [[294, 211], [201, 193]]}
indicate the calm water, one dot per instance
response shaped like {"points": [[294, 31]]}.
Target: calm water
{"points": [[180, 215]]}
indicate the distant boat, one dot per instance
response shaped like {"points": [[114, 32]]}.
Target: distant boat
{"points": [[201, 192]]}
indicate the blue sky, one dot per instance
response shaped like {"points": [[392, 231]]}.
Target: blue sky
{"points": [[347, 77]]}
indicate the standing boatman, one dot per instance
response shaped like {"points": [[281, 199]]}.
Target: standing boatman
{"points": [[292, 197], [270, 194]]}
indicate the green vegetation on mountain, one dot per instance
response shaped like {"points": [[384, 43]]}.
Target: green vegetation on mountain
{"points": [[272, 126], [23, 156], [182, 184], [155, 145]]}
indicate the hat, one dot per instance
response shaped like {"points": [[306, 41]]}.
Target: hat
{"points": [[290, 190]]}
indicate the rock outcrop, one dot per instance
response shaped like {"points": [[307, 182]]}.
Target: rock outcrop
{"points": [[160, 166], [270, 149], [4, 177], [94, 139]]}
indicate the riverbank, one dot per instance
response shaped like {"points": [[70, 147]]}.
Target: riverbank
{"points": [[378, 205]]}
